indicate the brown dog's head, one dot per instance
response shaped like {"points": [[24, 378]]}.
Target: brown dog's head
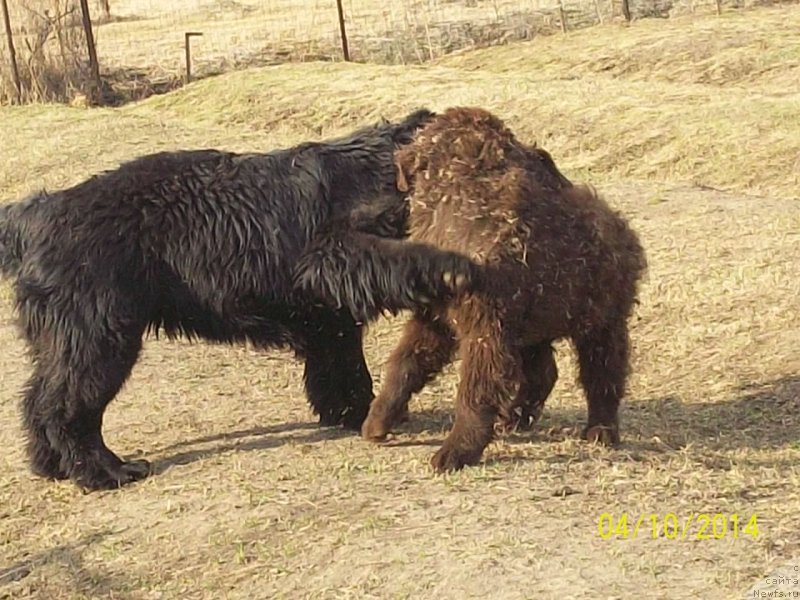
{"points": [[458, 140], [463, 140]]}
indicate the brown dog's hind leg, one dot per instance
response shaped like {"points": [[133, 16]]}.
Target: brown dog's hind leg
{"points": [[426, 347], [603, 361], [540, 373]]}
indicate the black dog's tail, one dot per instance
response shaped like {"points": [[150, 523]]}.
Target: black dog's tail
{"points": [[12, 244]]}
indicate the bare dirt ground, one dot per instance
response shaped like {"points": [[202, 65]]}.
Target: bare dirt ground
{"points": [[252, 500]]}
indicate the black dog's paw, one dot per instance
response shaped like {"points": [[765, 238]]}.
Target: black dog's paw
{"points": [[446, 276], [110, 475]]}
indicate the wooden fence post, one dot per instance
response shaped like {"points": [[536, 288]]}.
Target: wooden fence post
{"points": [[563, 16], [93, 64], [188, 51], [626, 10], [12, 53], [598, 12], [343, 31]]}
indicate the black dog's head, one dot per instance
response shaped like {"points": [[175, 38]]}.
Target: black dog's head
{"points": [[403, 131], [359, 175]]}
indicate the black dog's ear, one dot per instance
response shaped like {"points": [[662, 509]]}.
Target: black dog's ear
{"points": [[405, 129], [387, 216], [419, 117]]}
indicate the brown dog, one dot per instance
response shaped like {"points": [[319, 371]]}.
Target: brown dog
{"points": [[558, 261]]}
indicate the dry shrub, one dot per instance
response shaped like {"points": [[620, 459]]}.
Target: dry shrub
{"points": [[421, 38], [51, 53], [122, 85]]}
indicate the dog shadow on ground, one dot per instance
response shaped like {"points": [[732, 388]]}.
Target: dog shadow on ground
{"points": [[68, 558], [245, 440], [759, 417]]}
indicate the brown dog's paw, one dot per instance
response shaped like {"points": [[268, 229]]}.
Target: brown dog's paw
{"points": [[607, 435], [377, 427], [521, 418], [402, 417], [452, 458], [374, 429]]}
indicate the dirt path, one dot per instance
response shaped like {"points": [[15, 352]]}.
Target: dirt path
{"points": [[252, 500]]}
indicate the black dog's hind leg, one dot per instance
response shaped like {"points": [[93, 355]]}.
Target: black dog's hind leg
{"points": [[78, 371], [369, 275], [337, 380], [44, 459], [64, 420]]}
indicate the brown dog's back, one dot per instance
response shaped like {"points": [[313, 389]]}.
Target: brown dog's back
{"points": [[556, 262], [556, 253]]}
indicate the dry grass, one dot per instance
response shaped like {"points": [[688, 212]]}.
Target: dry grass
{"points": [[253, 501], [243, 32], [140, 43], [149, 33], [758, 51], [609, 125]]}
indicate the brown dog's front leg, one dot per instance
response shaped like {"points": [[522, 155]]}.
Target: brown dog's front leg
{"points": [[490, 380]]}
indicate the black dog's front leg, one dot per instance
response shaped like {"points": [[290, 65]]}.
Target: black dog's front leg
{"points": [[369, 275], [337, 380]]}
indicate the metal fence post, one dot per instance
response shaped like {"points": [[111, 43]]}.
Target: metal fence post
{"points": [[343, 31], [93, 64]]}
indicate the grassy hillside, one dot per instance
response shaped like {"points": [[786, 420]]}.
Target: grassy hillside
{"points": [[709, 101]]}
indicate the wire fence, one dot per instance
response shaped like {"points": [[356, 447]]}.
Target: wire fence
{"points": [[142, 46]]}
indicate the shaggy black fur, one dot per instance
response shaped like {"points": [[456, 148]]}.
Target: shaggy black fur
{"points": [[368, 276], [204, 244]]}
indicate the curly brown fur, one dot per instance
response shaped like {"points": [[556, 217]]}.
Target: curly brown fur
{"points": [[558, 262], [204, 244]]}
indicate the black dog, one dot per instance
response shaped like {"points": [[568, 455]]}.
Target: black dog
{"points": [[204, 244]]}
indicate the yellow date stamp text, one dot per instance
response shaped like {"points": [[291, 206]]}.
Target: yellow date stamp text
{"points": [[694, 526]]}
